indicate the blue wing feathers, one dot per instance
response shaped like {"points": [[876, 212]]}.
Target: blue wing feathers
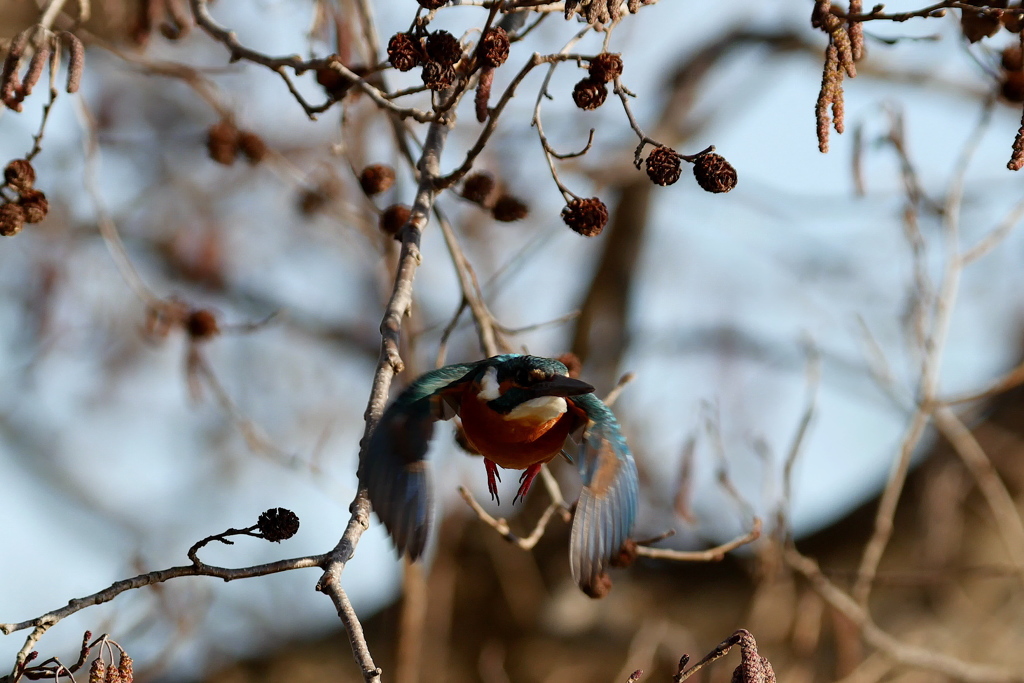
{"points": [[393, 467], [607, 506]]}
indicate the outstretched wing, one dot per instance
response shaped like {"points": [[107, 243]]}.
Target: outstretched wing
{"points": [[393, 466], [607, 506]]}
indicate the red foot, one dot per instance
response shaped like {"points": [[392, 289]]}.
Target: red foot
{"points": [[526, 480], [492, 475]]}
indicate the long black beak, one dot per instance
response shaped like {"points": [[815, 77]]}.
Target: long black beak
{"points": [[560, 385]]}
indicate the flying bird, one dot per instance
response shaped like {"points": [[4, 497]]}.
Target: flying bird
{"points": [[518, 412]]}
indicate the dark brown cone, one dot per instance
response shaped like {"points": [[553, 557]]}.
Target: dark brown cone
{"points": [[278, 524], [432, 4], [714, 173], [444, 48], [404, 52], [201, 323], [663, 166], [19, 175], [393, 219], [606, 67], [572, 363], [333, 82], [599, 587], [494, 47], [437, 76], [589, 94], [252, 146], [34, 204], [508, 209], [478, 188], [12, 219], [222, 142], [376, 178], [586, 216]]}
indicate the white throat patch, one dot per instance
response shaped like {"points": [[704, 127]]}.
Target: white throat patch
{"points": [[540, 409], [489, 389]]}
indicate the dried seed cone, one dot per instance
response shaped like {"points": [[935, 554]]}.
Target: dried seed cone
{"points": [[714, 173], [432, 4], [12, 219], [589, 94], [222, 142], [404, 52], [478, 188], [278, 524], [35, 205], [252, 146], [586, 216], [663, 166], [437, 76], [753, 668], [333, 82], [444, 48], [394, 218], [98, 671], [508, 209], [606, 67], [202, 324], [494, 47], [376, 178], [19, 175]]}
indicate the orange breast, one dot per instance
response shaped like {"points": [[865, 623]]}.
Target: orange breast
{"points": [[513, 444]]}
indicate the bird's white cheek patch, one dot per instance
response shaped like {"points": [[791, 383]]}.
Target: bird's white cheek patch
{"points": [[489, 388], [539, 409]]}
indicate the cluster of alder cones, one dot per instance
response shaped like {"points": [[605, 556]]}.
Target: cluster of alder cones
{"points": [[27, 205]]}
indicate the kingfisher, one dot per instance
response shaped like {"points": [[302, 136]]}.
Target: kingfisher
{"points": [[519, 412]]}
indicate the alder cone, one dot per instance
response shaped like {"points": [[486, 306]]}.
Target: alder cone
{"points": [[437, 76], [376, 178], [494, 47], [714, 173], [35, 206], [589, 94], [606, 67], [586, 216], [478, 188], [663, 166], [278, 524], [394, 218], [508, 209], [444, 48], [19, 175], [404, 52], [222, 142], [12, 219]]}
